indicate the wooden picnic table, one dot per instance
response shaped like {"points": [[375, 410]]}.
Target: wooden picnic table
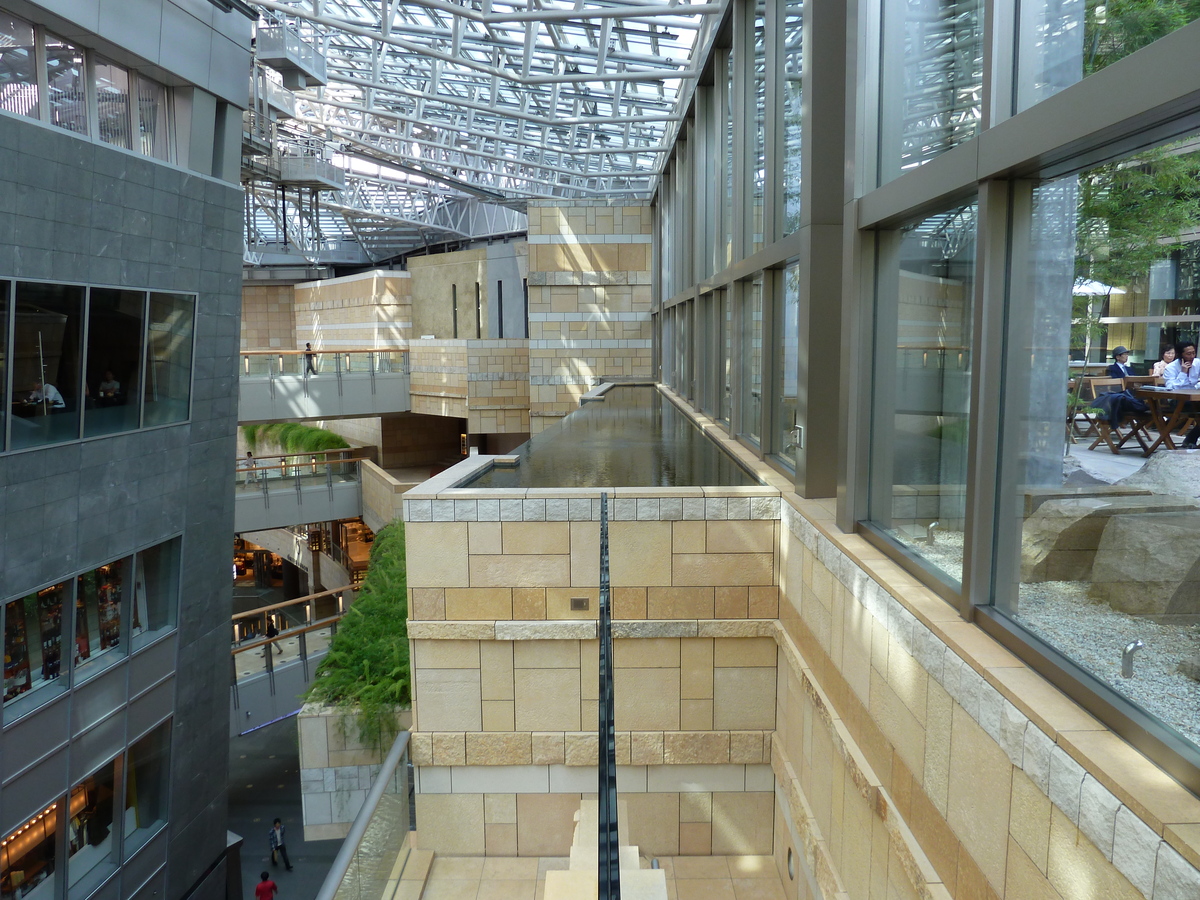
{"points": [[1170, 411]]}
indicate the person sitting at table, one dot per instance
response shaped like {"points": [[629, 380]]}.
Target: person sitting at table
{"points": [[1165, 359], [47, 394], [1120, 368], [1184, 375], [109, 388]]}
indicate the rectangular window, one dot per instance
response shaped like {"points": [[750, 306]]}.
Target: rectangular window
{"points": [[27, 857], [787, 349], [100, 598], [5, 291], [47, 334], [112, 103], [478, 312], [66, 85], [114, 361], [752, 358], [726, 343], [153, 127], [758, 160], [168, 379], [147, 773], [33, 648], [155, 592], [500, 309], [793, 111], [727, 153], [920, 373], [90, 839], [454, 310], [18, 68], [1097, 521]]}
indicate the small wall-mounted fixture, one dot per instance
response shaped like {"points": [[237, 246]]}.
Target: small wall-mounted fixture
{"points": [[578, 604], [1127, 657]]}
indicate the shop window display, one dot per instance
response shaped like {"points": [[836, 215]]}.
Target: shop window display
{"points": [[98, 602], [27, 858], [90, 831], [33, 641]]}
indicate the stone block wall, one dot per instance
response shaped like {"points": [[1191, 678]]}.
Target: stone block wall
{"points": [[438, 378], [498, 387], [268, 317], [357, 312], [590, 276]]}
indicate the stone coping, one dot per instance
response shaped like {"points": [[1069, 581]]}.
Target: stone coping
{"points": [[586, 629]]}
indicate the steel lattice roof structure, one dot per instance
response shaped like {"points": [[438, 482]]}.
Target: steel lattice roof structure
{"points": [[448, 115]]}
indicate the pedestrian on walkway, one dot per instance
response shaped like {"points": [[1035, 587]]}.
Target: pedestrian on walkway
{"points": [[277, 838], [310, 359], [266, 889]]}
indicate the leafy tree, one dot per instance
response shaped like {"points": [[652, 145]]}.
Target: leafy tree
{"points": [[366, 672], [1115, 28]]}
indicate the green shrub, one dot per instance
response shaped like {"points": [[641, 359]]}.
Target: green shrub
{"points": [[293, 437], [366, 672]]}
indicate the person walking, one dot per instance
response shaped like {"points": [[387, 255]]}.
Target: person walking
{"points": [[310, 360], [266, 889], [277, 838]]}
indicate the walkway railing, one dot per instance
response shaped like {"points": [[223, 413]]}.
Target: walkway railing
{"points": [[308, 363], [371, 854], [302, 617], [298, 470]]}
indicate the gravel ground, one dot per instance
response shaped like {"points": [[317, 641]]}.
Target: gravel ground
{"points": [[1094, 635]]}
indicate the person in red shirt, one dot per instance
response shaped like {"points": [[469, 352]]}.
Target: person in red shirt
{"points": [[266, 889]]}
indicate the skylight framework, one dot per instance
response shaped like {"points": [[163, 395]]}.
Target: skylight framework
{"points": [[485, 103]]}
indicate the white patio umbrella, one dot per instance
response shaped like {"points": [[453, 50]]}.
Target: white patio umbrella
{"points": [[1085, 287]]}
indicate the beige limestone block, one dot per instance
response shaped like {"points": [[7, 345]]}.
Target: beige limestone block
{"points": [[908, 679], [979, 795], [544, 538], [589, 670], [1023, 879], [638, 552], [734, 652], [742, 823], [448, 699], [695, 715], [687, 537], [653, 823], [695, 748], [451, 631], [427, 603], [1029, 823], [498, 715], [695, 806], [524, 633], [437, 554], [451, 824], [546, 654], [722, 568], [764, 602], [558, 603], [549, 748], [501, 749], [646, 748], [585, 553], [484, 538], [500, 839], [744, 699], [582, 748], [314, 741], [445, 654], [1077, 870], [449, 748], [735, 628], [679, 602], [898, 725], [746, 747], [420, 746], [496, 670], [696, 669], [646, 653], [731, 602], [546, 823], [695, 838], [741, 536], [629, 603], [520, 571], [621, 748], [646, 699], [529, 603], [939, 709], [476, 604], [547, 699]]}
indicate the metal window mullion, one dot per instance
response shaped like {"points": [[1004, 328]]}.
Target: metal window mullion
{"points": [[7, 383], [771, 322], [879, 376], [773, 22]]}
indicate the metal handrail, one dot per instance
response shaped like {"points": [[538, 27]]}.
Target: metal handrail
{"points": [[349, 848], [306, 598]]}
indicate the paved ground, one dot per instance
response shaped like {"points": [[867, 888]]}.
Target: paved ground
{"points": [[264, 782]]}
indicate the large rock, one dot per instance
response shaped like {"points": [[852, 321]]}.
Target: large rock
{"points": [[1149, 564]]}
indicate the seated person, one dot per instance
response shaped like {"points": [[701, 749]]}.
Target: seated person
{"points": [[47, 394], [109, 387], [1165, 359], [1120, 368], [1184, 375]]}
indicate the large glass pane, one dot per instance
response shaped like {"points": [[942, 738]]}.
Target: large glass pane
{"points": [[114, 360], [1063, 41], [146, 779], [27, 858], [793, 108], [155, 592], [48, 331], [920, 373], [18, 67], [758, 130], [1097, 549], [932, 80], [99, 602], [112, 104], [752, 357], [152, 118], [5, 291], [67, 85], [727, 113], [725, 339], [168, 384], [787, 350], [90, 839], [33, 648]]}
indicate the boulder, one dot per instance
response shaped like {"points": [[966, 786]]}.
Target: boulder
{"points": [[1149, 563], [1190, 667]]}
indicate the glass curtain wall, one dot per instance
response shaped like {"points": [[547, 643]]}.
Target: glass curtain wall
{"points": [[752, 358], [47, 350], [758, 160], [787, 364], [18, 67], [793, 111], [66, 85]]}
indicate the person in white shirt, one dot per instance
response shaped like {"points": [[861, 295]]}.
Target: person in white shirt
{"points": [[47, 393], [1184, 375]]}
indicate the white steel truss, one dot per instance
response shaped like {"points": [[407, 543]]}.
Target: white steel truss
{"points": [[447, 115]]}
